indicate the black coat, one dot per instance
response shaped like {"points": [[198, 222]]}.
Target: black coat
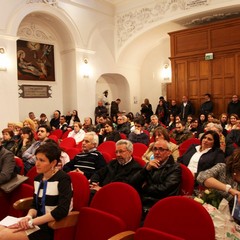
{"points": [[158, 183], [206, 161]]}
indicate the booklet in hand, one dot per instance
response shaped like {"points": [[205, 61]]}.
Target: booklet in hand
{"points": [[236, 209]]}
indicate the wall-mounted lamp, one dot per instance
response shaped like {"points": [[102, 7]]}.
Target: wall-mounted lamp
{"points": [[86, 69], [166, 73], [3, 60]]}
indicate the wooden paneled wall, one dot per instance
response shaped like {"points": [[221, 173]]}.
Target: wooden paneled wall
{"points": [[194, 76]]}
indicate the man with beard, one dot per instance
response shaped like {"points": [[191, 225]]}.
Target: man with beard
{"points": [[119, 170]]}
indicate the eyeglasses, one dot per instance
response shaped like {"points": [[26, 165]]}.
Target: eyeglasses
{"points": [[160, 149], [42, 131], [120, 151], [119, 119]]}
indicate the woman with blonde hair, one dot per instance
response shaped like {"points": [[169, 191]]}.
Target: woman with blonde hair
{"points": [[30, 123]]}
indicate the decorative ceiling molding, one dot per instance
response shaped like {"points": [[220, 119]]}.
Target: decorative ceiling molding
{"points": [[212, 18], [49, 2], [34, 32], [129, 23]]}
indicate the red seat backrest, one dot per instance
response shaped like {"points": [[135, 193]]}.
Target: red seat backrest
{"points": [[187, 182], [139, 149], [68, 142], [19, 164], [112, 199], [181, 216], [183, 147], [109, 147], [57, 132]]}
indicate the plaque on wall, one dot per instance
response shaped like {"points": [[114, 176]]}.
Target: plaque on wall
{"points": [[35, 61], [35, 91]]}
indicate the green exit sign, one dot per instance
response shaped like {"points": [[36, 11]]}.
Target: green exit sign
{"points": [[208, 56]]}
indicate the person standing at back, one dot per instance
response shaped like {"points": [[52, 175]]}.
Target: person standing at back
{"points": [[186, 108], [207, 106], [115, 108], [234, 106]]}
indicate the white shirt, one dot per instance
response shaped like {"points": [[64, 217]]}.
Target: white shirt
{"points": [[193, 164], [79, 136]]}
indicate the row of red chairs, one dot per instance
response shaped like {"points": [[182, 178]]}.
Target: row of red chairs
{"points": [[116, 208]]}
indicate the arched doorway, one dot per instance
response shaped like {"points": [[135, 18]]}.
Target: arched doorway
{"points": [[117, 86]]}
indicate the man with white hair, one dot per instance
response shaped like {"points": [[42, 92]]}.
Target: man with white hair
{"points": [[89, 160]]}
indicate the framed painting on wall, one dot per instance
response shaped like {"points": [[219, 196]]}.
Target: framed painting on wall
{"points": [[35, 61]]}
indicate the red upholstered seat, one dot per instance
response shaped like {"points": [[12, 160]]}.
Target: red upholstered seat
{"points": [[57, 132], [138, 159], [65, 134], [145, 233], [187, 182], [109, 147], [116, 207], [183, 147], [181, 216], [19, 164], [68, 142], [32, 173], [53, 137], [139, 149], [72, 152], [107, 157]]}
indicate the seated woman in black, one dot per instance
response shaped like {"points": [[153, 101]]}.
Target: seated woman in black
{"points": [[204, 156], [108, 133]]}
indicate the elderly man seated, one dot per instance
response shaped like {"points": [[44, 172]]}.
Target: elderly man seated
{"points": [[89, 160]]}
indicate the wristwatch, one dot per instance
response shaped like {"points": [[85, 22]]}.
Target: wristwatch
{"points": [[228, 187], [30, 223]]}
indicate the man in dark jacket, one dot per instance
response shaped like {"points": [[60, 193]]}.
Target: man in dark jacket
{"points": [[7, 165], [119, 170], [234, 106], [160, 178], [115, 108], [207, 106], [186, 108]]}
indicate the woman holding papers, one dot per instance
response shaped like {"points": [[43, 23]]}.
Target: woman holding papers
{"points": [[51, 200]]}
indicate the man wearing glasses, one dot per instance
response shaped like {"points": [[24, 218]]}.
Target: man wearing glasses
{"points": [[119, 170], [160, 178]]}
